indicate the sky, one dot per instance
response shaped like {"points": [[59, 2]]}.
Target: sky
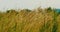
{"points": [[30, 4]]}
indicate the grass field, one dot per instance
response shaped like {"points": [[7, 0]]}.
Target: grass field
{"points": [[25, 20]]}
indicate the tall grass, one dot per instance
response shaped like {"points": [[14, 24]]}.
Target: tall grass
{"points": [[38, 20]]}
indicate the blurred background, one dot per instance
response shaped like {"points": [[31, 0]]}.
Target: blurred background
{"points": [[30, 4]]}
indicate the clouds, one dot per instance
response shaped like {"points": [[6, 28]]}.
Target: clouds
{"points": [[30, 4]]}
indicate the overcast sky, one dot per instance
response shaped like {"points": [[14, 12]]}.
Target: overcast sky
{"points": [[30, 4]]}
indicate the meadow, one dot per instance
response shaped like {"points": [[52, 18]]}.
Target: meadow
{"points": [[37, 20]]}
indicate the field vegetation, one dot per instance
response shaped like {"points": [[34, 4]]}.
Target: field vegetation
{"points": [[37, 20]]}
